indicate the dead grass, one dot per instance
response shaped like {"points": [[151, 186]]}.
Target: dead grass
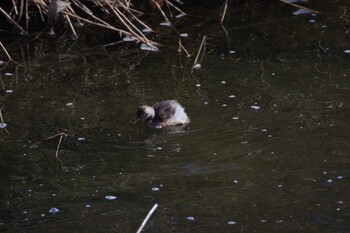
{"points": [[77, 14]]}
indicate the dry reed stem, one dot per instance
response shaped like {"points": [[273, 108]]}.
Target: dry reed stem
{"points": [[57, 149], [107, 26], [11, 20], [62, 135], [144, 38], [227, 37], [136, 18], [120, 16], [183, 48], [176, 8], [160, 10], [147, 217], [90, 13], [2, 121], [7, 54], [15, 6], [203, 45], [71, 26], [51, 137], [224, 12], [123, 10], [300, 7], [27, 17]]}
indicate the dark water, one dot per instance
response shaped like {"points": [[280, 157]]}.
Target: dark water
{"points": [[267, 149]]}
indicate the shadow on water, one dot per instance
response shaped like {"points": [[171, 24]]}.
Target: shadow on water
{"points": [[266, 150]]}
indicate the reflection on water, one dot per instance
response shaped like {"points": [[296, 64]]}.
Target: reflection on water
{"points": [[266, 151]]}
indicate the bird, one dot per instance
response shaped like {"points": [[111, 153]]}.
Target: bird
{"points": [[163, 114]]}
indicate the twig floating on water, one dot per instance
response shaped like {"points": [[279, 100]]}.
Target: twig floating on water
{"points": [[57, 149], [197, 65], [62, 135], [147, 217]]}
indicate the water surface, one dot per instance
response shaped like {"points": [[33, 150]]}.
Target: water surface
{"points": [[267, 149]]}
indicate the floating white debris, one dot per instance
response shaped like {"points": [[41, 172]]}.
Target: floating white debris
{"points": [[80, 139], [329, 181], [256, 107], [235, 181], [3, 125], [232, 51], [147, 47], [9, 91], [129, 38], [224, 105], [264, 130], [1, 62], [263, 220], [146, 30], [231, 222], [180, 2], [340, 202], [184, 34], [312, 20], [69, 104], [33, 146], [197, 66], [302, 11], [279, 186], [82, 118], [347, 51], [205, 103], [235, 118], [279, 221], [87, 206], [231, 96], [223, 82], [155, 189], [8, 74], [190, 218], [42, 215], [110, 197], [198, 85], [180, 15], [165, 23], [54, 210], [159, 148], [339, 177]]}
